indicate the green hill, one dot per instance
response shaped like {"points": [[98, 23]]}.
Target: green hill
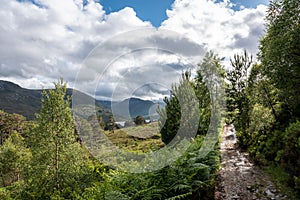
{"points": [[15, 99]]}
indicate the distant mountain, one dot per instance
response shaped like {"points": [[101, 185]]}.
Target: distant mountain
{"points": [[105, 103], [15, 99], [132, 107], [27, 102]]}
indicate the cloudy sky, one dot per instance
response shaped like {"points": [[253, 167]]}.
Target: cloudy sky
{"points": [[121, 48]]}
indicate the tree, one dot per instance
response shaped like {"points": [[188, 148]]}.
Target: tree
{"points": [[237, 99], [110, 124], [203, 95], [280, 68], [196, 103], [14, 159], [169, 120], [209, 84], [280, 55], [10, 123], [57, 156], [139, 120], [179, 118]]}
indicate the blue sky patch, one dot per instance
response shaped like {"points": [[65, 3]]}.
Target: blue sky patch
{"points": [[155, 10], [246, 3], [147, 10]]}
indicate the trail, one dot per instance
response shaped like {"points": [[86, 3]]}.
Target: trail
{"points": [[238, 177]]}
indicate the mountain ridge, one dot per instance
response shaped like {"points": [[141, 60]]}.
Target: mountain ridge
{"points": [[16, 99]]}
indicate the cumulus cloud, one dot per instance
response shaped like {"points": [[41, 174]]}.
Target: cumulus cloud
{"points": [[48, 39], [133, 59], [51, 38], [224, 30]]}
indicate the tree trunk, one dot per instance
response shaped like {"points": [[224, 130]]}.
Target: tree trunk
{"points": [[57, 166]]}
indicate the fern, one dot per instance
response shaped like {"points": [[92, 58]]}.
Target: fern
{"points": [[181, 196]]}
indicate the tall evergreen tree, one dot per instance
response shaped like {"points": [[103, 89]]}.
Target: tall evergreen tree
{"points": [[179, 119], [209, 87], [56, 154], [280, 55], [195, 104], [237, 99]]}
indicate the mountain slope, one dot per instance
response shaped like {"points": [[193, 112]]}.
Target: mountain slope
{"points": [[15, 99], [27, 102], [132, 107]]}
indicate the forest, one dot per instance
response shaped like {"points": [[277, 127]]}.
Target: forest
{"points": [[44, 159]]}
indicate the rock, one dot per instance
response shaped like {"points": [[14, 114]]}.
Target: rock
{"points": [[250, 188], [273, 191], [241, 179], [270, 194]]}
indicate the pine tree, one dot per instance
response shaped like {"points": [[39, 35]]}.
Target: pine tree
{"points": [[57, 156], [280, 55], [195, 105], [180, 118], [209, 88], [237, 99]]}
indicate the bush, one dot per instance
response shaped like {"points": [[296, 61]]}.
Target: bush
{"points": [[139, 120], [290, 157]]}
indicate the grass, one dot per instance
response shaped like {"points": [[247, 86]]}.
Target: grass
{"points": [[142, 138]]}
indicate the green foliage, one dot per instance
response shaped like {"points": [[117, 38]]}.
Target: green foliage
{"points": [[205, 86], [139, 120], [196, 102], [290, 155], [280, 54], [57, 159], [237, 99], [179, 104], [14, 158], [10, 123], [203, 96], [190, 177], [5, 194], [272, 131], [211, 104], [60, 168]]}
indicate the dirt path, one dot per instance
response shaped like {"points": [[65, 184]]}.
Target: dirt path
{"points": [[239, 178]]}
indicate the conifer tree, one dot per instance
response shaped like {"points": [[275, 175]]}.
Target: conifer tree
{"points": [[237, 99], [56, 154], [181, 114]]}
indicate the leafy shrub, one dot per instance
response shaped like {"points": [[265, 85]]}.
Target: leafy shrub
{"points": [[190, 177], [139, 120], [290, 157]]}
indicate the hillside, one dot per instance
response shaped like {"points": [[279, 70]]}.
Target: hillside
{"points": [[15, 99]]}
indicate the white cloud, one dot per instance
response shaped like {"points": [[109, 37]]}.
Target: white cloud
{"points": [[224, 30], [133, 59], [52, 40], [39, 44]]}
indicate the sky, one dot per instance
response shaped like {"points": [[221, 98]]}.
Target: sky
{"points": [[115, 49]]}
